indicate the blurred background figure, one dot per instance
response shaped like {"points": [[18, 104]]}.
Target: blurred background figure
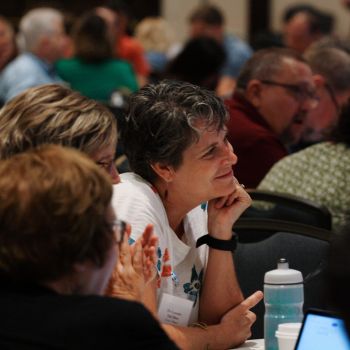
{"points": [[158, 40], [94, 71], [319, 173], [275, 92], [8, 49], [331, 69], [198, 63], [127, 47], [208, 20], [42, 39], [304, 25]]}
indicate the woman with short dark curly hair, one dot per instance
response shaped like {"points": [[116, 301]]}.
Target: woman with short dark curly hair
{"points": [[183, 183]]}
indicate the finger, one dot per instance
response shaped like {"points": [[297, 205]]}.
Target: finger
{"points": [[125, 252], [127, 230], [231, 198], [220, 202], [147, 234], [251, 316], [252, 300], [137, 260]]}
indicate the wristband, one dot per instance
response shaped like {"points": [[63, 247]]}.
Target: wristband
{"points": [[220, 244]]}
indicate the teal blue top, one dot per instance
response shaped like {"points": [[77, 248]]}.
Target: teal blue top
{"points": [[97, 80]]}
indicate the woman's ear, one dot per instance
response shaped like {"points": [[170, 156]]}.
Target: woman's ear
{"points": [[165, 172]]}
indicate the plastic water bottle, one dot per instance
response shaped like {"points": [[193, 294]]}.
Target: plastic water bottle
{"points": [[284, 299]]}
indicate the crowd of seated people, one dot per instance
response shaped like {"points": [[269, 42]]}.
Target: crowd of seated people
{"points": [[42, 42], [190, 140]]}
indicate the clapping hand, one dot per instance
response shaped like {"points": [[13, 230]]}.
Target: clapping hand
{"points": [[135, 267]]}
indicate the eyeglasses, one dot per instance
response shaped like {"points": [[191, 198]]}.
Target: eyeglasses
{"points": [[119, 228], [107, 165], [332, 96], [300, 93]]}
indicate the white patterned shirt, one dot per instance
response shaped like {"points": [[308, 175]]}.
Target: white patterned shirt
{"points": [[181, 266]]}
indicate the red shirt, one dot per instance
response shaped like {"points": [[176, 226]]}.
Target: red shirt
{"points": [[255, 144], [129, 49]]}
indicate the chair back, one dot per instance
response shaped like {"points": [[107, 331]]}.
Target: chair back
{"points": [[289, 208]]}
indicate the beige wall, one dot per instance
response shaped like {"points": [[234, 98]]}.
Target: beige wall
{"points": [[236, 13], [177, 12]]}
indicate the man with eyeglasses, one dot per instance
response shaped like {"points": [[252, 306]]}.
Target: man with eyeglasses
{"points": [[331, 68], [275, 91]]}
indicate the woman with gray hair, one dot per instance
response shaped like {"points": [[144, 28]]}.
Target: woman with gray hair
{"points": [[182, 183]]}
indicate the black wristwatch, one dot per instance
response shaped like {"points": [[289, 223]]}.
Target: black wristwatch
{"points": [[220, 244]]}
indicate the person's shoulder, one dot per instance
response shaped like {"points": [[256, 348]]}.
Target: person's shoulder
{"points": [[237, 46], [127, 322], [134, 193], [21, 63], [68, 62], [132, 181], [119, 64]]}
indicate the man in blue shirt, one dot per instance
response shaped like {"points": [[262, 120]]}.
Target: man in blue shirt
{"points": [[42, 39], [207, 20]]}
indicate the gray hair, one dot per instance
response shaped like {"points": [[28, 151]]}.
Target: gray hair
{"points": [[333, 64], [36, 24], [162, 123], [265, 64]]}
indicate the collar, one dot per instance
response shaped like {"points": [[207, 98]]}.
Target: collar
{"points": [[238, 101], [47, 67]]}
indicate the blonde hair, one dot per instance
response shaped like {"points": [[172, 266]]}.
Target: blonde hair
{"points": [[55, 114], [53, 208], [155, 34]]}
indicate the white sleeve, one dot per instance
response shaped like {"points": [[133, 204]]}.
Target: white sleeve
{"points": [[139, 206]]}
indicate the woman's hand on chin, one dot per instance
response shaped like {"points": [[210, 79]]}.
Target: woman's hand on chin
{"points": [[223, 212]]}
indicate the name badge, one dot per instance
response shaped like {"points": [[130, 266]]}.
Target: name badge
{"points": [[174, 310]]}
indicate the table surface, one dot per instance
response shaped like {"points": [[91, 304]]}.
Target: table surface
{"points": [[252, 344]]}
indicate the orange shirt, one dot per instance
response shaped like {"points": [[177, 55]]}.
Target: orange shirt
{"points": [[129, 49]]}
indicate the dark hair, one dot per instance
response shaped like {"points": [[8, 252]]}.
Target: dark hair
{"points": [[53, 213], [161, 123], [208, 14], [91, 38], [342, 131], [319, 21], [339, 274], [265, 64], [198, 63]]}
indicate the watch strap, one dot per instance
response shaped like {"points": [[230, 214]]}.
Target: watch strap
{"points": [[220, 244]]}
